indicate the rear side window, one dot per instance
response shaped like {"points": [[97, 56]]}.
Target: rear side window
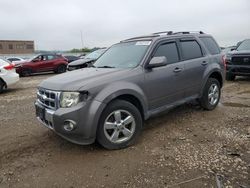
{"points": [[169, 50], [191, 49], [211, 45], [51, 57]]}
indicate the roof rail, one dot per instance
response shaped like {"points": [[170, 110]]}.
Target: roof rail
{"points": [[141, 37], [164, 32], [188, 32]]}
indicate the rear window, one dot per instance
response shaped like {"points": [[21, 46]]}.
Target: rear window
{"points": [[211, 45], [191, 49]]}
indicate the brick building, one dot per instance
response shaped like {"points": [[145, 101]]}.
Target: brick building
{"points": [[16, 47]]}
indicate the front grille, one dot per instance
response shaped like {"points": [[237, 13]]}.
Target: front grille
{"points": [[48, 98], [242, 60]]}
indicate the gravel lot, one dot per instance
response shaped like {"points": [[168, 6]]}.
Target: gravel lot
{"points": [[186, 147]]}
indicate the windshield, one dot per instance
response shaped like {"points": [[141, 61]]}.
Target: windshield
{"points": [[123, 55], [245, 45], [96, 54]]}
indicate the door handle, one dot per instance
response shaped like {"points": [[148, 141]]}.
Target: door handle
{"points": [[177, 69], [204, 63]]}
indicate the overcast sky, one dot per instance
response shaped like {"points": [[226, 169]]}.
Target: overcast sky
{"points": [[56, 24]]}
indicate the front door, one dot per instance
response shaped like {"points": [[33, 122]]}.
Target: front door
{"points": [[164, 84]]}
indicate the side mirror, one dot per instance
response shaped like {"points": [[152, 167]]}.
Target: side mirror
{"points": [[157, 62], [35, 60], [232, 49]]}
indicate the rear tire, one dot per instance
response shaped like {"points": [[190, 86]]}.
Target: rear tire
{"points": [[2, 85], [119, 126], [61, 69], [230, 77], [211, 94]]}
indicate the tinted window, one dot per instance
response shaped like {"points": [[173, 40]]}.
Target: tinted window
{"points": [[245, 45], [51, 57], [211, 45], [168, 50], [190, 49], [13, 59]]}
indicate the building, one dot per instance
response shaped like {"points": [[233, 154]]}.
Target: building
{"points": [[16, 47]]}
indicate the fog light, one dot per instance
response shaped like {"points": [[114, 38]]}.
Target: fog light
{"points": [[69, 125]]}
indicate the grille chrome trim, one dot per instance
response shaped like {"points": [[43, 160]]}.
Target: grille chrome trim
{"points": [[48, 98]]}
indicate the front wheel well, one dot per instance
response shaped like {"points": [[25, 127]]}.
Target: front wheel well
{"points": [[217, 76], [133, 100]]}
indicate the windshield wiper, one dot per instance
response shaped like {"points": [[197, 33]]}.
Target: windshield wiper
{"points": [[105, 67]]}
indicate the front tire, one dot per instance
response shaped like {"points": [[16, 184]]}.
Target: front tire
{"points": [[119, 126], [26, 72], [211, 94]]}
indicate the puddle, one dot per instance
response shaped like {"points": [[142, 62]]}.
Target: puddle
{"points": [[232, 104]]}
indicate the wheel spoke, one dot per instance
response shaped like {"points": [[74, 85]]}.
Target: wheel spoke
{"points": [[109, 125], [215, 89], [115, 136], [126, 132], [117, 116], [210, 95], [128, 120]]}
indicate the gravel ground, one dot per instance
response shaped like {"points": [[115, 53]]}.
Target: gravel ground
{"points": [[186, 147]]}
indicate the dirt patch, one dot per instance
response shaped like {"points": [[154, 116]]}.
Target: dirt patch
{"points": [[186, 147]]}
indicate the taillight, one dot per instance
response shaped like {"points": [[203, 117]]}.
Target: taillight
{"points": [[224, 61], [9, 67]]}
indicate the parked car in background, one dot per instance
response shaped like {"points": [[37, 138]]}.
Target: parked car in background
{"points": [[86, 61], [42, 63], [238, 61], [71, 58], [8, 75], [228, 49], [131, 82], [15, 59]]}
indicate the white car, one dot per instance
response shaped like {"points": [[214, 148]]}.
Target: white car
{"points": [[8, 75], [15, 59]]}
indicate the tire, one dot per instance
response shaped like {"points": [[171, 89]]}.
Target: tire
{"points": [[230, 77], [2, 85], [61, 69], [118, 136], [206, 102], [26, 72]]}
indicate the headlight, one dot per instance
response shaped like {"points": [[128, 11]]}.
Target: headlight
{"points": [[229, 57], [69, 99]]}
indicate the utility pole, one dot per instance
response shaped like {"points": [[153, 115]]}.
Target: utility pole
{"points": [[82, 39]]}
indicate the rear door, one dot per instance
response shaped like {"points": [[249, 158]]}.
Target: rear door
{"points": [[195, 63], [51, 62], [164, 84]]}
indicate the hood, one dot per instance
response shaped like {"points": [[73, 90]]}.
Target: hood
{"points": [[73, 81], [80, 62], [242, 52]]}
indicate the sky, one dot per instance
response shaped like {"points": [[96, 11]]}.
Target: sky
{"points": [[58, 24]]}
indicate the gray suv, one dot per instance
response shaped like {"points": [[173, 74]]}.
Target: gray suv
{"points": [[132, 81]]}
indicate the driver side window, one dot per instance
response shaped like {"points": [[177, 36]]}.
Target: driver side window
{"points": [[169, 50]]}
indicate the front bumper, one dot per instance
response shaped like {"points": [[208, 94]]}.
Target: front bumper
{"points": [[239, 70], [85, 115]]}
